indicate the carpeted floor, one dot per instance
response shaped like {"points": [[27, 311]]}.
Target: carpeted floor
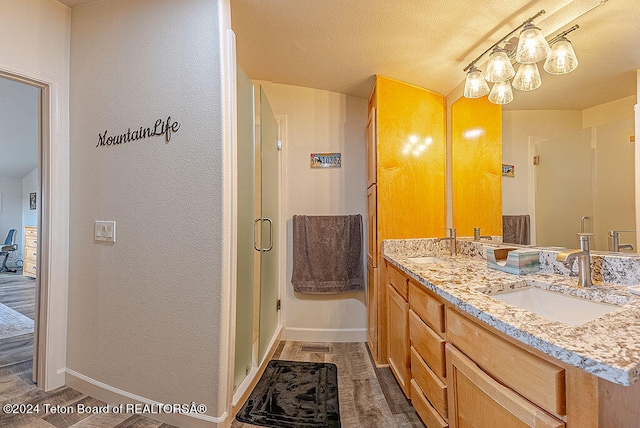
{"points": [[13, 323]]}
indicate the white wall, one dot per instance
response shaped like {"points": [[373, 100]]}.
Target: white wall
{"points": [[35, 44], [517, 126], [11, 213], [149, 314], [29, 185], [607, 113], [326, 122]]}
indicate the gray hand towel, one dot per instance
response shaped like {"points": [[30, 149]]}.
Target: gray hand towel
{"points": [[327, 254]]}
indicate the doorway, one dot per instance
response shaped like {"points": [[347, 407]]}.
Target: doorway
{"points": [[257, 292], [20, 208]]}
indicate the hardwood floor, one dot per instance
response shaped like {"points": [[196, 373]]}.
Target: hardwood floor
{"points": [[368, 397], [16, 388], [18, 293]]}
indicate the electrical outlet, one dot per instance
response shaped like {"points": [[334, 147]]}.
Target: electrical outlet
{"points": [[105, 231]]}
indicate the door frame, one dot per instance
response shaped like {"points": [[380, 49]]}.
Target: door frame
{"points": [[49, 341]]}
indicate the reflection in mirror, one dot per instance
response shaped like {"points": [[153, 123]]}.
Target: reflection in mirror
{"points": [[582, 126], [584, 182]]}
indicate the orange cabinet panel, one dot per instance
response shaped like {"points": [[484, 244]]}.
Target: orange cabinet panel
{"points": [[398, 339]]}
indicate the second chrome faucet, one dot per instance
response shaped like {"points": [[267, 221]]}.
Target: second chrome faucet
{"points": [[451, 238]]}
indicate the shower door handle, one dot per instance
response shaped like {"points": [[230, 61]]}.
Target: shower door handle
{"points": [[270, 234], [255, 244]]}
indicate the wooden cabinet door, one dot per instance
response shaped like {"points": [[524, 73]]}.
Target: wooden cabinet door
{"points": [[477, 400], [371, 148], [372, 226], [372, 310], [398, 339]]}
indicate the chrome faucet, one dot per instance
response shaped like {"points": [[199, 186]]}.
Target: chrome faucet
{"points": [[614, 241], [452, 238], [477, 236], [583, 255]]}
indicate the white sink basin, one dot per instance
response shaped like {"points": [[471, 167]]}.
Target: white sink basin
{"points": [[426, 260], [555, 306]]}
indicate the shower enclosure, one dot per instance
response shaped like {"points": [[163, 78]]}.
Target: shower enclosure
{"points": [[258, 229], [585, 182]]}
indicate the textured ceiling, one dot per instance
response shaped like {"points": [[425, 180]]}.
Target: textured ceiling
{"points": [[340, 45], [73, 3]]}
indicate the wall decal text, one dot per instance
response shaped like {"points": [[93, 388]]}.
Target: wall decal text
{"points": [[161, 127]]}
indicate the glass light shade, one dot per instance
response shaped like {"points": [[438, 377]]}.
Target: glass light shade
{"points": [[532, 46], [499, 68], [475, 85], [501, 93], [562, 59], [527, 78]]}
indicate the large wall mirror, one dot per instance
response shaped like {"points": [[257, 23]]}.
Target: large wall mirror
{"points": [[582, 128]]}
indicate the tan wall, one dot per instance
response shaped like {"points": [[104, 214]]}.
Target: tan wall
{"points": [[611, 112], [35, 44], [149, 314], [517, 127]]}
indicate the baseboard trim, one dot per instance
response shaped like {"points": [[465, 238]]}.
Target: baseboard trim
{"points": [[325, 335], [115, 396]]}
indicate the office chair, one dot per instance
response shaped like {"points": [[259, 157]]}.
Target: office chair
{"points": [[8, 247]]}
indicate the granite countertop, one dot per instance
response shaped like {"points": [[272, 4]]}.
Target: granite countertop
{"points": [[608, 347]]}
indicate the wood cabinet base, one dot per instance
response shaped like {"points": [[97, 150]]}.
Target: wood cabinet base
{"points": [[477, 400]]}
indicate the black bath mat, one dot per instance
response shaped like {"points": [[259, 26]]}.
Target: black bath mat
{"points": [[293, 394]]}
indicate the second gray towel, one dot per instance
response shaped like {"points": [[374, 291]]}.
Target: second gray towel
{"points": [[515, 229]]}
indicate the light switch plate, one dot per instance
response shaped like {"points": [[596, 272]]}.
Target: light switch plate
{"points": [[105, 231]]}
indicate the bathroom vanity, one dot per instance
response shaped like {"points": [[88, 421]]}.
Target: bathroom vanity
{"points": [[466, 358]]}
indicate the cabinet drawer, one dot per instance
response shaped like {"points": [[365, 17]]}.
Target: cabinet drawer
{"points": [[427, 305], [476, 399], [31, 232], [427, 344], [29, 268], [425, 410], [399, 280], [432, 387], [534, 378], [31, 241], [30, 253]]}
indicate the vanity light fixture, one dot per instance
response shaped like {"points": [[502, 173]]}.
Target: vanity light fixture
{"points": [[562, 59], [527, 78], [499, 68], [501, 93], [475, 86], [531, 48]]}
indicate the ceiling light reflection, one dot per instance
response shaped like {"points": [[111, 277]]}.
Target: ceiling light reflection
{"points": [[415, 145], [473, 133]]}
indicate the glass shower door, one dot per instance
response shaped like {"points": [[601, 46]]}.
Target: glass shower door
{"points": [[246, 253], [269, 227], [563, 189]]}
